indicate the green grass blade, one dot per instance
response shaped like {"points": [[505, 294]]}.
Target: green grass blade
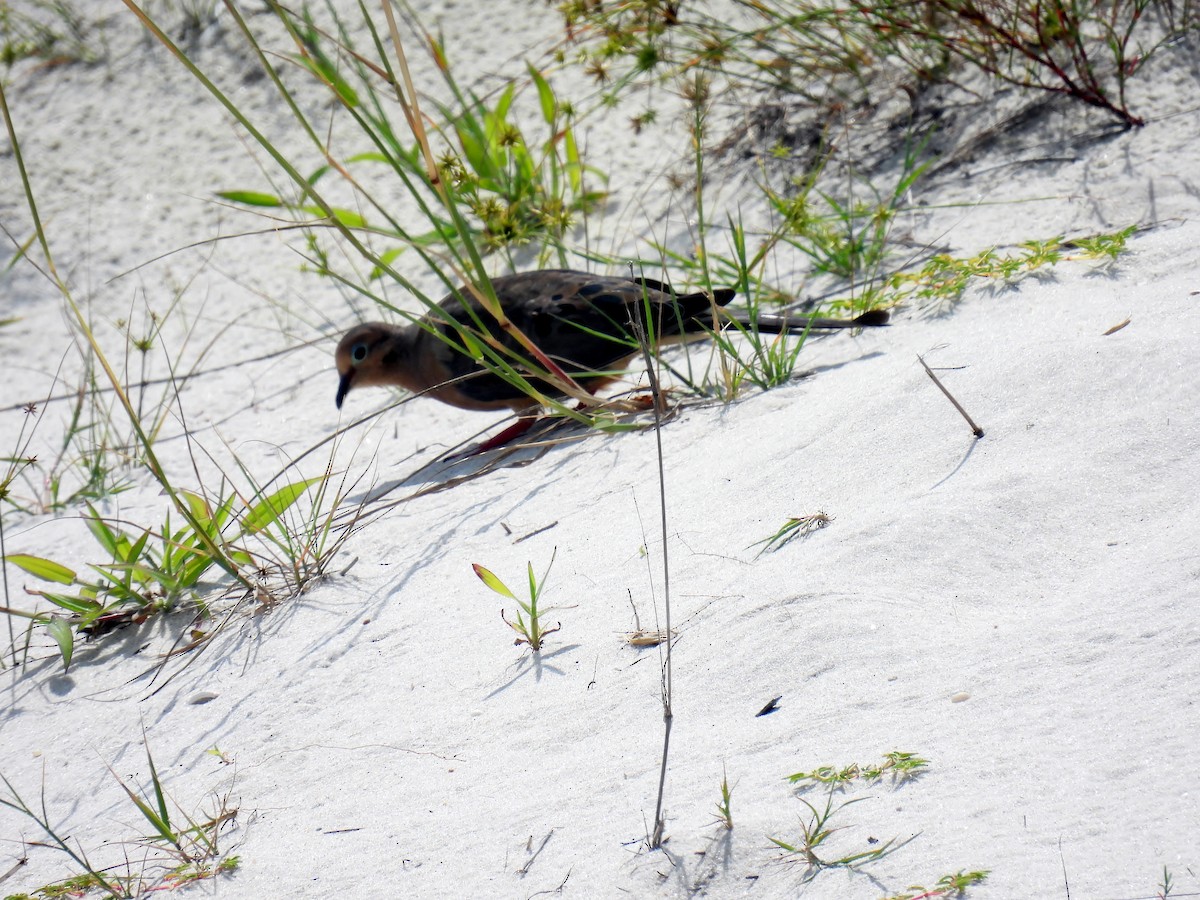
{"points": [[268, 510], [45, 569], [250, 198]]}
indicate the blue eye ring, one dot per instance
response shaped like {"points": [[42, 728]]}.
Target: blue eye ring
{"points": [[358, 352]]}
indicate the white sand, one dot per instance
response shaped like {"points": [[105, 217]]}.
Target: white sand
{"points": [[385, 738]]}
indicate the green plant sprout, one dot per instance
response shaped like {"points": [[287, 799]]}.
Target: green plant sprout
{"points": [[724, 814], [947, 886], [530, 632], [801, 526], [150, 572], [1164, 888], [193, 846], [901, 766], [816, 830]]}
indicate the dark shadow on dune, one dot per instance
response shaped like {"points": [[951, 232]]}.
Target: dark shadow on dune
{"points": [[536, 664]]}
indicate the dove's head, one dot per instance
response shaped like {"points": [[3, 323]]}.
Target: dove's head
{"points": [[362, 357]]}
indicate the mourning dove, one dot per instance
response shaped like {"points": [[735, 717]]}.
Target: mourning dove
{"points": [[580, 321]]}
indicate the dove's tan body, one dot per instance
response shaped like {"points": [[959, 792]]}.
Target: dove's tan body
{"points": [[579, 320]]}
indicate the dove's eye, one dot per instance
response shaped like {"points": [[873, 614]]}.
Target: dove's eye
{"points": [[358, 352]]}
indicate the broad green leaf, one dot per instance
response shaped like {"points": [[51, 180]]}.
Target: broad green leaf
{"points": [[60, 630], [268, 510], [79, 605], [473, 152], [492, 581], [545, 96], [135, 551], [504, 104], [347, 217], [107, 537], [250, 198], [573, 167], [197, 505], [192, 572], [45, 569], [222, 514]]}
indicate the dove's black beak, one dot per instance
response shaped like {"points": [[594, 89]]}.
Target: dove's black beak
{"points": [[344, 387]]}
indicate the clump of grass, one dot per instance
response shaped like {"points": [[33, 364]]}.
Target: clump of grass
{"points": [[816, 829], [149, 571], [1165, 886], [900, 765], [515, 190], [1084, 51], [185, 849], [830, 55], [846, 235], [530, 630], [943, 279], [947, 886], [797, 527], [87, 464]]}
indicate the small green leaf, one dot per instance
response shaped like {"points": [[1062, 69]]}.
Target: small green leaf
{"points": [[64, 637], [492, 581], [370, 156], [45, 569], [250, 198]]}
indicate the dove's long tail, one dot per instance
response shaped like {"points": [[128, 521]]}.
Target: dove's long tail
{"points": [[799, 324]]}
